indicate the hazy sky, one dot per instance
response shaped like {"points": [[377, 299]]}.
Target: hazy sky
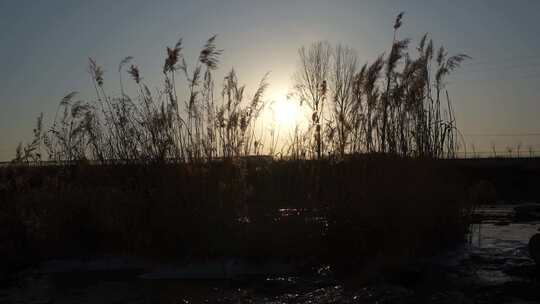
{"points": [[44, 46]]}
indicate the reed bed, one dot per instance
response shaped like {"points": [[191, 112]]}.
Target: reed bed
{"points": [[345, 212], [397, 105], [155, 174]]}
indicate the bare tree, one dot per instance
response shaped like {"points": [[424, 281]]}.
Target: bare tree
{"points": [[311, 86], [344, 66]]}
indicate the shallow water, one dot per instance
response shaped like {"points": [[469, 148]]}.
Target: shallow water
{"points": [[501, 250], [493, 268]]}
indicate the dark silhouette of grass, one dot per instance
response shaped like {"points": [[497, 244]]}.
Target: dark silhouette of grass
{"points": [[397, 105], [345, 213], [165, 176]]}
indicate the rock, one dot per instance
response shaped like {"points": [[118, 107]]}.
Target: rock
{"points": [[534, 248]]}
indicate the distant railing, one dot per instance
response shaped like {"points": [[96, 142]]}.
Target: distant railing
{"points": [[498, 154], [252, 159], [248, 159]]}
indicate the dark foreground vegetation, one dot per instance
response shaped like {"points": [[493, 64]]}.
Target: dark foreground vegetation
{"points": [[345, 213]]}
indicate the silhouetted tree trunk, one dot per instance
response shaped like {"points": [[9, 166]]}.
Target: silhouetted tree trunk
{"points": [[344, 68], [311, 87]]}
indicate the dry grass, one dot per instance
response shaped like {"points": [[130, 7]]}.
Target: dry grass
{"points": [[156, 174], [397, 105], [333, 212]]}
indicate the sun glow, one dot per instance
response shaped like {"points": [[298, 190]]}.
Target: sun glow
{"points": [[283, 119], [286, 112]]}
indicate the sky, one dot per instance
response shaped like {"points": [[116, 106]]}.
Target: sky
{"points": [[45, 45]]}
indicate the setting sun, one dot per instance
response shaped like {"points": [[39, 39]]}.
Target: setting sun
{"points": [[286, 112]]}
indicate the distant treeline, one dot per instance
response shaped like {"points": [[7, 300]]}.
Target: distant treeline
{"points": [[501, 180]]}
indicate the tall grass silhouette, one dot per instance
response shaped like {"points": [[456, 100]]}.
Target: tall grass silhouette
{"points": [[156, 173], [397, 105]]}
